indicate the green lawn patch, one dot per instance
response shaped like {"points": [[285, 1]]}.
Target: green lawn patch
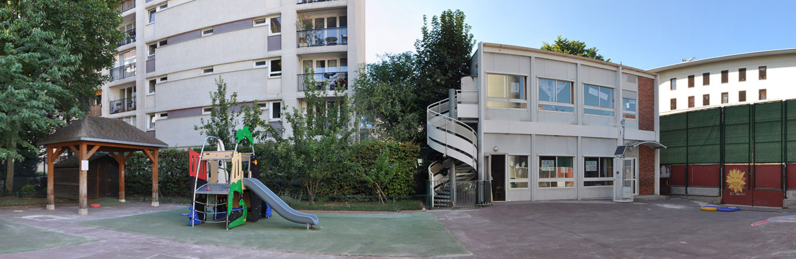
{"points": [[418, 234], [18, 237]]}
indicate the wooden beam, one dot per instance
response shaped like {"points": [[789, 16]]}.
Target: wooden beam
{"points": [[77, 153], [149, 154], [91, 153], [128, 156], [115, 156], [50, 177], [83, 188], [154, 157], [58, 152]]}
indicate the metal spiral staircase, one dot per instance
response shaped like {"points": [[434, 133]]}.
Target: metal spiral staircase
{"points": [[459, 143]]}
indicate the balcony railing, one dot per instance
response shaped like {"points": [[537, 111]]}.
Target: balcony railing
{"points": [[126, 5], [122, 105], [312, 1], [323, 37], [129, 38], [122, 72], [324, 81]]}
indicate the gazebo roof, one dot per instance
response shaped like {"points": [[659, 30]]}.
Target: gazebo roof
{"points": [[98, 129]]}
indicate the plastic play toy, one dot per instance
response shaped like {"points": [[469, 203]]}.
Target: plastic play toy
{"points": [[228, 196], [710, 208], [729, 209]]}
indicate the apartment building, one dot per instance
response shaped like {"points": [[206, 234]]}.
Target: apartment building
{"points": [[175, 50], [531, 124], [727, 80]]}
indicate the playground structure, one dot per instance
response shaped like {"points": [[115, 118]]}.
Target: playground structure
{"points": [[228, 195]]}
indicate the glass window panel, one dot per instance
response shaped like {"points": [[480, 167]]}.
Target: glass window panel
{"points": [[592, 165], [560, 108], [547, 90], [496, 104], [331, 22], [496, 85], [564, 168], [343, 21], [516, 87], [557, 184], [591, 95], [563, 92], [606, 167], [630, 116], [598, 112], [276, 25], [518, 167], [332, 65], [598, 183], [515, 185], [343, 64], [606, 97], [629, 104], [547, 167]]}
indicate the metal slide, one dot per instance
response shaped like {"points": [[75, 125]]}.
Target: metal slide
{"points": [[278, 204]]}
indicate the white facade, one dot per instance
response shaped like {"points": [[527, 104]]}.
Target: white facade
{"points": [[524, 121], [777, 83], [181, 47]]}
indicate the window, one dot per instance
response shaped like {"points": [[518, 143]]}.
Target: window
{"points": [[706, 79], [762, 95], [506, 91], [152, 86], [690, 102], [207, 110], [725, 97], [555, 93], [263, 105], [276, 111], [207, 71], [629, 104], [152, 15], [130, 120], [762, 73], [742, 75], [164, 6], [261, 63], [155, 117], [518, 172], [276, 68], [152, 48], [276, 25], [705, 100], [597, 168], [599, 100], [259, 21], [741, 96], [673, 83], [673, 104], [725, 75], [690, 81], [164, 79], [207, 32], [163, 43], [556, 171]]}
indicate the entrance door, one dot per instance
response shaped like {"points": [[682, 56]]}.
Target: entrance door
{"points": [[497, 168], [631, 174], [626, 186]]}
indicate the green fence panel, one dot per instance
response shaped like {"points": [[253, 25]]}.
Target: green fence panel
{"points": [[675, 138], [768, 112], [791, 131], [736, 115], [791, 146], [704, 118], [673, 122], [673, 155], [768, 132], [736, 153], [736, 134]]}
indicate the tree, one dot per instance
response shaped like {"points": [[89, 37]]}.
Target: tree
{"points": [[320, 144], [573, 47], [386, 99], [225, 118], [51, 54]]}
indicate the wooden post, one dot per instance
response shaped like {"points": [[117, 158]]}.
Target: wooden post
{"points": [[153, 156], [83, 193], [50, 176], [121, 159]]}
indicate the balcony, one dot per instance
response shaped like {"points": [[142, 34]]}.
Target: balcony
{"points": [[122, 105], [122, 72], [324, 81], [312, 1], [129, 38], [126, 5], [322, 37]]}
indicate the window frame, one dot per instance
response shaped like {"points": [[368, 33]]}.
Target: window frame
{"points": [[706, 79], [742, 93], [598, 178], [691, 102], [673, 84], [163, 79], [555, 104], [725, 76], [527, 168], [153, 118], [519, 103], [255, 24], [706, 100], [205, 32], [152, 89], [742, 75], [163, 6], [691, 82], [271, 111], [599, 100], [208, 70], [271, 73], [207, 110], [626, 113], [265, 64], [556, 179], [152, 17], [762, 72], [762, 94], [725, 94], [673, 104], [271, 28]]}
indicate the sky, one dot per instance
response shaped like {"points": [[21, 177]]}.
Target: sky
{"points": [[642, 34]]}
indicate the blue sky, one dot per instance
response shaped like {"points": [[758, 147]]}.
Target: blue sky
{"points": [[641, 34]]}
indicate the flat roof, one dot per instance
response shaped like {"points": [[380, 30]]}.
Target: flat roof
{"points": [[547, 52], [725, 58]]}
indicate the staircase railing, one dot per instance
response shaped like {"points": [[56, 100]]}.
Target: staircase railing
{"points": [[451, 136]]}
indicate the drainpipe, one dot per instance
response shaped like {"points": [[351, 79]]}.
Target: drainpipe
{"points": [[452, 114]]}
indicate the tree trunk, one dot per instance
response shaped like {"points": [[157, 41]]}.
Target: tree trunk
{"points": [[10, 171]]}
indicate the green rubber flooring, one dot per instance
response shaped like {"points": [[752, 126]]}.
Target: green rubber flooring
{"points": [[107, 202], [419, 234], [18, 237]]}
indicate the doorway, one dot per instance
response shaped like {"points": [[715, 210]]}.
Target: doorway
{"points": [[497, 169], [630, 175]]}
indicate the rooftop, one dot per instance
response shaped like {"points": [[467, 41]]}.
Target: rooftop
{"points": [[724, 58]]}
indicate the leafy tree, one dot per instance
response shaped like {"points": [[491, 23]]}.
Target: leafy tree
{"points": [[573, 47], [386, 99], [51, 54], [320, 144], [388, 167], [225, 118]]}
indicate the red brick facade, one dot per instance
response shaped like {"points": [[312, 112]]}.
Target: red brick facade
{"points": [[646, 168], [646, 103]]}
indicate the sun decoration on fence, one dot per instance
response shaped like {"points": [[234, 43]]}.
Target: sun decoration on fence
{"points": [[736, 180]]}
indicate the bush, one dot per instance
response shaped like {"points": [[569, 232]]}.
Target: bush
{"points": [[173, 177]]}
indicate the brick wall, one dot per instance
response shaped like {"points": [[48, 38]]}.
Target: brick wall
{"points": [[646, 168], [646, 103]]}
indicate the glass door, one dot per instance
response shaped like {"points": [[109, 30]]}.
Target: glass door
{"points": [[630, 176]]}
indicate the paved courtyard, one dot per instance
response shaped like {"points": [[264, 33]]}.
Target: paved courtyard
{"points": [[674, 228]]}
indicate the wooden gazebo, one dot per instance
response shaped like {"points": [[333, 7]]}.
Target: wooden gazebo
{"points": [[92, 134]]}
